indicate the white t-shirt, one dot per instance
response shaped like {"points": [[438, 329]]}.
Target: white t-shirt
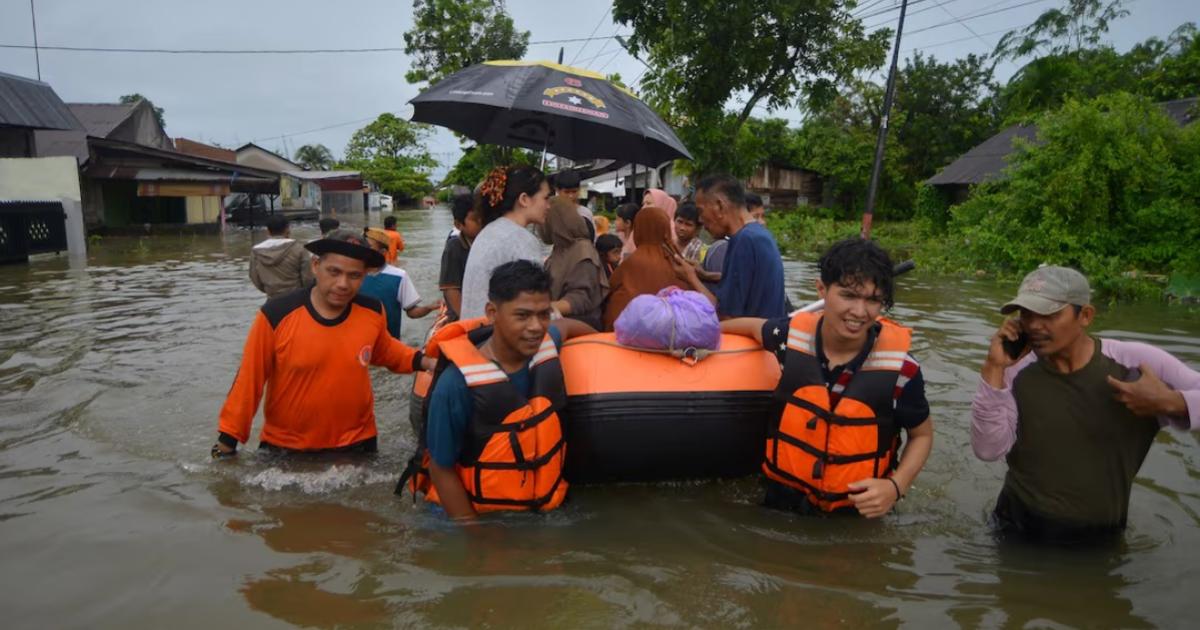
{"points": [[501, 241], [407, 297]]}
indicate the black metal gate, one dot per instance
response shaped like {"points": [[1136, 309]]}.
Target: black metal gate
{"points": [[31, 227]]}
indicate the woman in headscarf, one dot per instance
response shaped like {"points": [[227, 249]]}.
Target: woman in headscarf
{"points": [[578, 284], [657, 198], [646, 270]]}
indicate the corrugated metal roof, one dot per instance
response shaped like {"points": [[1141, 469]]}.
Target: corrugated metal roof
{"points": [[986, 161], [1183, 111], [99, 119], [320, 175], [32, 104]]}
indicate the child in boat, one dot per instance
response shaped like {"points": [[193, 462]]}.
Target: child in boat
{"points": [[687, 233], [609, 246], [848, 380]]}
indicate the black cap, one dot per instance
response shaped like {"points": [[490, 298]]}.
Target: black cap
{"points": [[348, 244], [566, 179]]}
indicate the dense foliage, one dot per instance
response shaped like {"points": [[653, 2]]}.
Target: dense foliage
{"points": [[391, 152], [771, 53], [449, 35], [314, 157], [1109, 187]]}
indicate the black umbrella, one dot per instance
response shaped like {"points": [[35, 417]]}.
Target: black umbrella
{"points": [[570, 112]]}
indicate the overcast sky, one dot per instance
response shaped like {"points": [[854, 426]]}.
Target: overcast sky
{"points": [[285, 101]]}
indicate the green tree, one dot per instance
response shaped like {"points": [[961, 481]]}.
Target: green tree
{"points": [[449, 35], [390, 152], [838, 141], [769, 52], [1177, 71], [478, 160], [948, 108], [158, 111], [314, 157], [1079, 26], [1108, 188]]}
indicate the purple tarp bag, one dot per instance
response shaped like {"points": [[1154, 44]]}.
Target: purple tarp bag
{"points": [[673, 319]]}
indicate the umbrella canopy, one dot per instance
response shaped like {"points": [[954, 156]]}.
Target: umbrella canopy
{"points": [[570, 112]]}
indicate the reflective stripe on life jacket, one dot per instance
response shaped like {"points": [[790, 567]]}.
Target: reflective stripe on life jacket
{"points": [[820, 448], [513, 451]]}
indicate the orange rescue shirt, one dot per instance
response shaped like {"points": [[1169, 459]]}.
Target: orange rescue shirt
{"points": [[395, 244], [318, 388]]}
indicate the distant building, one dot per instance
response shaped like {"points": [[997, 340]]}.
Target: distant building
{"points": [[783, 187], [986, 162], [40, 202], [131, 174]]}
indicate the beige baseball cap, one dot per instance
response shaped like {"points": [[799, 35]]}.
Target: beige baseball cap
{"points": [[1048, 290]]}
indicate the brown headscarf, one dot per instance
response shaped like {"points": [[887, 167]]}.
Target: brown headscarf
{"points": [[567, 231], [646, 270]]}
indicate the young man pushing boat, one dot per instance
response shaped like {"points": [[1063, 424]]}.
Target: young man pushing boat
{"points": [[311, 349], [492, 438], [849, 386]]}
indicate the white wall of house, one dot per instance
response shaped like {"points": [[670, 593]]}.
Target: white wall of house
{"points": [[48, 179]]}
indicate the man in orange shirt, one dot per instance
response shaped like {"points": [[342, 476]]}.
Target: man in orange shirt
{"points": [[311, 349], [397, 244]]}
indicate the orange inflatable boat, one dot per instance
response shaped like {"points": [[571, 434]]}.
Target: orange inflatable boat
{"points": [[645, 415]]}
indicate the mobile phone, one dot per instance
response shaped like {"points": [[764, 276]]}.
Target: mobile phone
{"points": [[1131, 375], [1014, 348]]}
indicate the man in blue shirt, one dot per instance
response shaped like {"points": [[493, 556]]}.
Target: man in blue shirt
{"points": [[751, 283]]}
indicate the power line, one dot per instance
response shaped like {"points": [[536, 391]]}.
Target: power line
{"points": [[254, 51], [589, 37], [867, 7], [301, 133], [964, 24], [975, 16], [963, 39], [585, 62]]}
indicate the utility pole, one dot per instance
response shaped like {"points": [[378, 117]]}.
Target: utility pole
{"points": [[869, 211], [36, 54]]}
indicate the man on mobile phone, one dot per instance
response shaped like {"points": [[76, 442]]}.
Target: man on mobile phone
{"points": [[1074, 414]]}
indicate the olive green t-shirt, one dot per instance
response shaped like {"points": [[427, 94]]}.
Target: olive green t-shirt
{"points": [[1078, 449]]}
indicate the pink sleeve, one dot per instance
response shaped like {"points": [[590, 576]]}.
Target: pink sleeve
{"points": [[994, 415], [1171, 370]]}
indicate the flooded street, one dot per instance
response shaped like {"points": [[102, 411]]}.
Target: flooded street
{"points": [[112, 513]]}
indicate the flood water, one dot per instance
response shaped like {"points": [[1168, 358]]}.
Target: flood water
{"points": [[112, 514]]}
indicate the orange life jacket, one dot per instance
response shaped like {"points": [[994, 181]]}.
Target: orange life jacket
{"points": [[820, 449], [513, 453]]}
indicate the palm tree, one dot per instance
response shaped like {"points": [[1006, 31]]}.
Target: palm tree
{"points": [[314, 157]]}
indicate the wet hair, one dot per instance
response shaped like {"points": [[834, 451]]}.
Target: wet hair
{"points": [[725, 185], [504, 185], [276, 224], [461, 206], [688, 212], [628, 211], [389, 222], [608, 242], [328, 225], [514, 278], [753, 200], [854, 261]]}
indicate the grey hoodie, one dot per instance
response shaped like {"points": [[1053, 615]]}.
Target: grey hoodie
{"points": [[280, 265]]}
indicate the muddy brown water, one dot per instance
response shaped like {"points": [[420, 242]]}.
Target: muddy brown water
{"points": [[113, 515]]}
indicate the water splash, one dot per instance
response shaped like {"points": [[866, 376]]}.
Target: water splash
{"points": [[332, 479]]}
